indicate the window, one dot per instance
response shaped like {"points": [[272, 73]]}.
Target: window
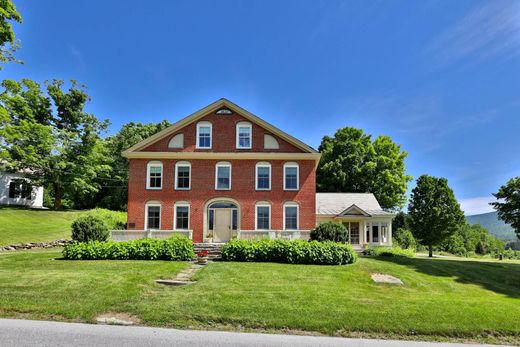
{"points": [[182, 175], [263, 216], [203, 135], [20, 189], [154, 175], [223, 176], [375, 232], [263, 176], [291, 179], [290, 216], [244, 135], [176, 141], [182, 216], [153, 215]]}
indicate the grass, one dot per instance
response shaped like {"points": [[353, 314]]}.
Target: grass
{"points": [[22, 225], [441, 298]]}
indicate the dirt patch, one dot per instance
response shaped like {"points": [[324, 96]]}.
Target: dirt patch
{"points": [[117, 318], [384, 278]]}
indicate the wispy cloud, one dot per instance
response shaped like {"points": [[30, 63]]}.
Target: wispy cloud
{"points": [[477, 205], [77, 57], [491, 30]]}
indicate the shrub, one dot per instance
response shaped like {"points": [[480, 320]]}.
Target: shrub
{"points": [[114, 220], [292, 252], [89, 228], [330, 231], [404, 238], [174, 248], [382, 251]]}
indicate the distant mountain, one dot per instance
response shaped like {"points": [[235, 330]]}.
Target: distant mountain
{"points": [[494, 225]]}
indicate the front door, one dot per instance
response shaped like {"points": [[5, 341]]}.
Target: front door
{"points": [[222, 225]]}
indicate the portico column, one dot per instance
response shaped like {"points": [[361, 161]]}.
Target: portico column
{"points": [[370, 236], [390, 233], [379, 233]]}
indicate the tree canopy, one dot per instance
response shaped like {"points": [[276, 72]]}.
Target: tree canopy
{"points": [[434, 213], [49, 136], [508, 204], [8, 42], [352, 162]]}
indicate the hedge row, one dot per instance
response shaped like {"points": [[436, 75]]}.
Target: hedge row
{"points": [[382, 251], [292, 252], [175, 248]]}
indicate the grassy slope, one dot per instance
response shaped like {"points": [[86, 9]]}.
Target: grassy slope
{"points": [[440, 298], [19, 225]]}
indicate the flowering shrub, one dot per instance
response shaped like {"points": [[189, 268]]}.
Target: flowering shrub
{"points": [[202, 253]]}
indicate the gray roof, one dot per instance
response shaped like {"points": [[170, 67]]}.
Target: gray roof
{"points": [[336, 203]]}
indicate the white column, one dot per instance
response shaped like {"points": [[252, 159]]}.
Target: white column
{"points": [[370, 236], [379, 238], [390, 233]]}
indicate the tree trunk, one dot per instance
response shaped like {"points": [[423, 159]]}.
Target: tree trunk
{"points": [[430, 251], [58, 193]]}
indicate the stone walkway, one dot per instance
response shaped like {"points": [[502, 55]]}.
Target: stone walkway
{"points": [[184, 277]]}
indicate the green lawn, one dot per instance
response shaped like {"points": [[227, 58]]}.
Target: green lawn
{"points": [[441, 298], [21, 225]]}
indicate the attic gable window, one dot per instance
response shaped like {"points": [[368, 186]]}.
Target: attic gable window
{"points": [[224, 111], [244, 135], [204, 135]]}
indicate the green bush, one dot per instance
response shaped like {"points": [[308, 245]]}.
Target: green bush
{"points": [[89, 228], [330, 231], [404, 238], [292, 252], [382, 251], [174, 248], [114, 220]]}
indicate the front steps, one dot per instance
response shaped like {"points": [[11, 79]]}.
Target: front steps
{"points": [[214, 249]]}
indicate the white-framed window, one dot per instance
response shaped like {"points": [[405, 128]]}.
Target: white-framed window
{"points": [[263, 176], [291, 176], [223, 176], [181, 215], [244, 137], [154, 173], [153, 215], [204, 130], [291, 216], [263, 216], [182, 175]]}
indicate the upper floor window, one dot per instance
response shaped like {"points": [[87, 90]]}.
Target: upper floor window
{"points": [[290, 216], [263, 176], [182, 215], [223, 176], [291, 179], [182, 175], [263, 216], [204, 135], [244, 135], [153, 215], [154, 172]]}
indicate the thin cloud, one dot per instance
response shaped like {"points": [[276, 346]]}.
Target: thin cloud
{"points": [[478, 205], [489, 31], [77, 57]]}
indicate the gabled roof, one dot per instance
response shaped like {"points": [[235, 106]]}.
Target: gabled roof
{"points": [[211, 108], [344, 204]]}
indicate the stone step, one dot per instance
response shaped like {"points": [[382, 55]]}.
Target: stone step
{"points": [[214, 249]]}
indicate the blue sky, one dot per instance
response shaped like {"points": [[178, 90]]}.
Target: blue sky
{"points": [[442, 78]]}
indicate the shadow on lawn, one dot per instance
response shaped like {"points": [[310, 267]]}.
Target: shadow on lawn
{"points": [[503, 278]]}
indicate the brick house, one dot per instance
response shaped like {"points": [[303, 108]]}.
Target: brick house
{"points": [[223, 172]]}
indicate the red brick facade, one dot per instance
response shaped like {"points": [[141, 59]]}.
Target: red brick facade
{"points": [[203, 180]]}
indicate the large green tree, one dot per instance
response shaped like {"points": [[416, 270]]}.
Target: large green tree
{"points": [[49, 135], [8, 42], [352, 162], [508, 203], [115, 195], [434, 213]]}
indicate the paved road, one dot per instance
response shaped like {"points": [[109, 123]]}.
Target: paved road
{"points": [[41, 333]]}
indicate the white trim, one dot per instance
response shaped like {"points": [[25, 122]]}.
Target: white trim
{"points": [[244, 125], [152, 204], [154, 163], [223, 164], [292, 204], [180, 204], [204, 124], [177, 164], [225, 155], [263, 164], [292, 165], [262, 204]]}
